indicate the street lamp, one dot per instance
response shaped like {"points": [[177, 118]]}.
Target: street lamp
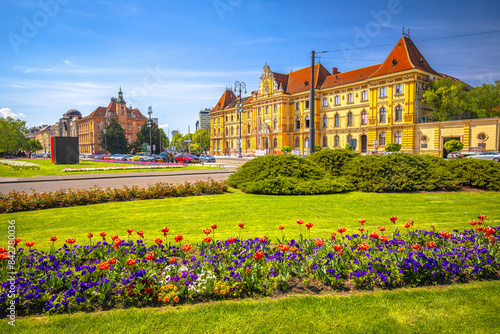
{"points": [[150, 111], [105, 144], [239, 86]]}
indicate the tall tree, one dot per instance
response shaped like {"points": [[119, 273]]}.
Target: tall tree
{"points": [[32, 145], [448, 99], [484, 100], [12, 134], [143, 138], [115, 139], [200, 140]]}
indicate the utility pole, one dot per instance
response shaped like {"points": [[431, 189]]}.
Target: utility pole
{"points": [[189, 140], [239, 86], [150, 125], [312, 141]]}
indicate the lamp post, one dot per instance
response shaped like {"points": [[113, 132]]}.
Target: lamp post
{"points": [[150, 111], [238, 87], [105, 144]]}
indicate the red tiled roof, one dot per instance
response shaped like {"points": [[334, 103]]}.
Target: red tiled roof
{"points": [[404, 56], [281, 80], [350, 76], [224, 100], [299, 81]]}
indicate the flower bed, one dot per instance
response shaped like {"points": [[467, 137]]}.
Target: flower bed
{"points": [[119, 273], [19, 165], [141, 163], [21, 201], [144, 166]]}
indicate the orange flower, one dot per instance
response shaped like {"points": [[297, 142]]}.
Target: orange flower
{"points": [[294, 249], [374, 235], [334, 235], [416, 246], [186, 247], [150, 256], [263, 239], [247, 271], [393, 219], [2, 250], [90, 235], [131, 262], [445, 234], [178, 238], [489, 231], [207, 231], [285, 248], [141, 233], [129, 231], [479, 228], [158, 241], [231, 240], [430, 244], [16, 241], [281, 227], [103, 235], [482, 217], [341, 229], [473, 222], [241, 225], [165, 230], [103, 265], [362, 221], [258, 255], [381, 229], [213, 226], [4, 256], [337, 247], [207, 239], [309, 225], [30, 243], [71, 240], [300, 222], [363, 246], [176, 299], [361, 229], [383, 238], [114, 237], [407, 225], [172, 260], [54, 238], [112, 260], [318, 242]]}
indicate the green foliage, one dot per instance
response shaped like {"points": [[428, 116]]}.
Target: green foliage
{"points": [[143, 138], [400, 172], [12, 133], [393, 147], [32, 145], [333, 160], [115, 140], [286, 149], [200, 140], [292, 186], [317, 148], [453, 145], [476, 173]]}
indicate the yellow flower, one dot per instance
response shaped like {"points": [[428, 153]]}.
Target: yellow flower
{"points": [[166, 299]]}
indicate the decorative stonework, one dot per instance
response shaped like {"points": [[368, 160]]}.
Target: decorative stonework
{"points": [[482, 137]]}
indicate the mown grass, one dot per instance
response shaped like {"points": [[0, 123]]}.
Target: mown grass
{"points": [[467, 308], [261, 214], [48, 168]]}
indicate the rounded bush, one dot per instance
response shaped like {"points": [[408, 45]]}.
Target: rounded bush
{"points": [[333, 161]]}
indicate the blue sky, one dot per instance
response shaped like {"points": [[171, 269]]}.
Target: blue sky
{"points": [[178, 56]]}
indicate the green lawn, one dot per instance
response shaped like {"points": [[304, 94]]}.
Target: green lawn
{"points": [[48, 168], [468, 308], [261, 215]]}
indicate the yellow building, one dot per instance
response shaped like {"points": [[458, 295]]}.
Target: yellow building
{"points": [[374, 105], [44, 135]]}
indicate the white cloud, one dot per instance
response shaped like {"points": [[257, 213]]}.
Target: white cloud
{"points": [[163, 126], [7, 112]]}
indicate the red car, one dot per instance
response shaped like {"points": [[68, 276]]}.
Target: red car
{"points": [[183, 159]]}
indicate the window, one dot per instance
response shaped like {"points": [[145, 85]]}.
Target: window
{"points": [[307, 104], [275, 124], [337, 100], [383, 92], [232, 131], [306, 142], [364, 117], [259, 111], [349, 138], [325, 102], [249, 129], [297, 124], [349, 118], [397, 137], [227, 131], [336, 141], [399, 89], [232, 118], [381, 139], [307, 122], [364, 96], [383, 115], [297, 106], [337, 120], [297, 142], [399, 113], [237, 130], [325, 121], [248, 143], [350, 98], [267, 109], [248, 114], [275, 142], [275, 108], [325, 141]]}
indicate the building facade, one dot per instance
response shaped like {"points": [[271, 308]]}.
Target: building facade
{"points": [[369, 107], [91, 126], [204, 119]]}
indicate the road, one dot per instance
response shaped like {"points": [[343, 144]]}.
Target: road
{"points": [[118, 180]]}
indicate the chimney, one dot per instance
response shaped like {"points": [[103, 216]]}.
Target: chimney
{"points": [[335, 70]]}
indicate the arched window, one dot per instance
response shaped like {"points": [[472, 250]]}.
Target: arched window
{"points": [[381, 139], [325, 121], [249, 129], [275, 108], [325, 141], [349, 137], [383, 115], [275, 124], [237, 130], [399, 113], [307, 122], [259, 110], [364, 117], [275, 142], [306, 142], [248, 143], [267, 109], [349, 118], [397, 137], [232, 131], [337, 120], [336, 141], [297, 123], [297, 142], [227, 131]]}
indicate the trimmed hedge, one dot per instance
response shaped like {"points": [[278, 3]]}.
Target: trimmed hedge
{"points": [[476, 173], [291, 186], [333, 161]]}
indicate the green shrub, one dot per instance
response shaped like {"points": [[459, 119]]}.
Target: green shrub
{"points": [[400, 172], [333, 161], [476, 173], [393, 147], [291, 186], [453, 145]]}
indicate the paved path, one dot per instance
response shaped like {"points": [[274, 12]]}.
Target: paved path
{"points": [[117, 180]]}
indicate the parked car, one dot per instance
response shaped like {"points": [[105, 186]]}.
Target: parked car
{"points": [[184, 159], [454, 155], [146, 158], [207, 158], [194, 157], [495, 156], [10, 157]]}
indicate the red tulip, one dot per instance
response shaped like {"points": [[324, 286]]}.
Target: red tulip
{"points": [[478, 228], [90, 235], [374, 235], [430, 244], [263, 239], [103, 265], [141, 233], [30, 243], [381, 229], [213, 226], [172, 260], [129, 231], [158, 241], [337, 247], [258, 255], [186, 247], [300, 222], [318, 242], [231, 240], [407, 225], [178, 238], [363, 246], [207, 231], [309, 225], [362, 221], [361, 229], [71, 240], [445, 234], [16, 242], [393, 219], [150, 256], [2, 250], [165, 230], [341, 229], [473, 222], [103, 235], [207, 239], [131, 262], [383, 238], [416, 246], [281, 227], [54, 238], [114, 237], [334, 235], [112, 260], [294, 249], [241, 225]]}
